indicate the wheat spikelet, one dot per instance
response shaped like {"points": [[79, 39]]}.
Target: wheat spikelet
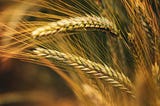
{"points": [[103, 72], [74, 23]]}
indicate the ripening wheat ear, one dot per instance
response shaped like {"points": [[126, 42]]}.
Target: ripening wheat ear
{"points": [[74, 23], [97, 70], [149, 29]]}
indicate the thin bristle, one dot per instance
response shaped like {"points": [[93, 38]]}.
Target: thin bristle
{"points": [[106, 52]]}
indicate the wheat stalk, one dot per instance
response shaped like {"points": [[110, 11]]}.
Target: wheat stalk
{"points": [[74, 23], [100, 71]]}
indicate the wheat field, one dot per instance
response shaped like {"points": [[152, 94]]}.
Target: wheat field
{"points": [[106, 52]]}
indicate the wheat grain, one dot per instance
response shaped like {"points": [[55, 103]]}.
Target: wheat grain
{"points": [[100, 71], [72, 24]]}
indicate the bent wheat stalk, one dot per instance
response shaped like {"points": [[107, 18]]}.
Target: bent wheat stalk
{"points": [[97, 70], [74, 23]]}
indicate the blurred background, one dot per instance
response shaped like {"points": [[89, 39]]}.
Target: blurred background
{"points": [[26, 84]]}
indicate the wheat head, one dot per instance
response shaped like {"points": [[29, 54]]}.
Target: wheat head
{"points": [[74, 23], [100, 71]]}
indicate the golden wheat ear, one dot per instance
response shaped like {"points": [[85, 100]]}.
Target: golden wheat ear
{"points": [[75, 23], [97, 70]]}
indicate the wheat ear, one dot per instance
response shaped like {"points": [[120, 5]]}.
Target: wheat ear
{"points": [[100, 71], [148, 28], [72, 24]]}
